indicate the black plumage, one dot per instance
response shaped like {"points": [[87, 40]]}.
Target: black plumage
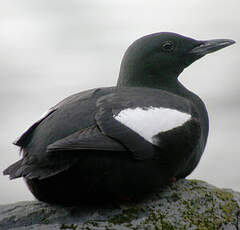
{"points": [[82, 150]]}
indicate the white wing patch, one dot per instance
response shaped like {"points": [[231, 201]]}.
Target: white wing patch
{"points": [[148, 122]]}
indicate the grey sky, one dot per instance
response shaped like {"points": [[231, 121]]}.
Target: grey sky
{"points": [[50, 49]]}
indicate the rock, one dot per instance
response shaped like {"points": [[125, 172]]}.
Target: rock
{"points": [[187, 204]]}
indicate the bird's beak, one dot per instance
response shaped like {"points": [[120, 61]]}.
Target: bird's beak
{"points": [[210, 46]]}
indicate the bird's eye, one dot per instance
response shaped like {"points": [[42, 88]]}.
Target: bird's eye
{"points": [[168, 46]]}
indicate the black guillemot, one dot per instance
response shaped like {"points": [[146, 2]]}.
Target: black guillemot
{"points": [[121, 141]]}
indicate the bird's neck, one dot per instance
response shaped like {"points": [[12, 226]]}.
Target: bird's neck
{"points": [[179, 89], [171, 84]]}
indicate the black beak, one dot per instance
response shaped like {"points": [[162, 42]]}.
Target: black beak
{"points": [[211, 46]]}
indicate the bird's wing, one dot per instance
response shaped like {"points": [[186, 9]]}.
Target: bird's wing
{"points": [[30, 166], [24, 139], [137, 145], [57, 157], [90, 138], [127, 117], [109, 106]]}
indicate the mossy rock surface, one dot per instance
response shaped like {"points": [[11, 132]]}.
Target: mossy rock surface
{"points": [[187, 204]]}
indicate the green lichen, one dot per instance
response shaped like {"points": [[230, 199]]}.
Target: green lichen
{"points": [[209, 209], [126, 216], [208, 218], [109, 228], [93, 223], [175, 196], [191, 205], [158, 220], [71, 226], [229, 206], [223, 195]]}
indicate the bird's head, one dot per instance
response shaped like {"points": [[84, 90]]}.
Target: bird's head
{"points": [[157, 59]]}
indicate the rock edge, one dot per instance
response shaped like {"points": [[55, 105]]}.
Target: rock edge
{"points": [[186, 204]]}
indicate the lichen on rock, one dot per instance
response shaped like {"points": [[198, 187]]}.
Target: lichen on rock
{"points": [[186, 204]]}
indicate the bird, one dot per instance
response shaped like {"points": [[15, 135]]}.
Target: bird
{"points": [[121, 141]]}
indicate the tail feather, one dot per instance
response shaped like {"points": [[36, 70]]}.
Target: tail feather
{"points": [[30, 167], [14, 170], [19, 169]]}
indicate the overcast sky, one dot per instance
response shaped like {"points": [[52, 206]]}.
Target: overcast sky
{"points": [[50, 49]]}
